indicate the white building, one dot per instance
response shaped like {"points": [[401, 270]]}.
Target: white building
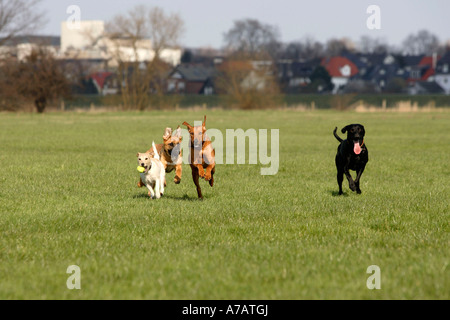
{"points": [[87, 39], [81, 36]]}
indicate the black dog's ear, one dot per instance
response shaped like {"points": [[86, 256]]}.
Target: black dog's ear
{"points": [[344, 129], [363, 129]]}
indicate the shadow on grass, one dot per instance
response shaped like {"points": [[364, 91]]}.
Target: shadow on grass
{"points": [[166, 196], [335, 193], [185, 197]]}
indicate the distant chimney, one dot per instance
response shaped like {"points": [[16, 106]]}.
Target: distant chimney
{"points": [[434, 61]]}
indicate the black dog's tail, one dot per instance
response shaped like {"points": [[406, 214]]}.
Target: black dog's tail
{"points": [[337, 137]]}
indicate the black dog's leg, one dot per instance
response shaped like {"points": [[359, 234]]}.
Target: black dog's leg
{"points": [[340, 178], [351, 183], [358, 177]]}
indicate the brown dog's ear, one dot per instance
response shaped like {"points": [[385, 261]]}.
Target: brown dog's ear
{"points": [[187, 125], [167, 133], [137, 155], [178, 132], [204, 124]]}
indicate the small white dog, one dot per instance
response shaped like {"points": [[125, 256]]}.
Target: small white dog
{"points": [[154, 175]]}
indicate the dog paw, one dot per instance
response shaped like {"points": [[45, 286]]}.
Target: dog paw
{"points": [[177, 180], [207, 176], [358, 191], [352, 186]]}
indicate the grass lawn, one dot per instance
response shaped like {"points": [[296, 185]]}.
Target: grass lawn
{"points": [[69, 196]]}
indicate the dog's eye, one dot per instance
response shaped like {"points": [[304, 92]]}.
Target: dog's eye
{"points": [[146, 158]]}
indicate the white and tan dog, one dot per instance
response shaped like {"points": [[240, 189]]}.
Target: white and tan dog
{"points": [[154, 175]]}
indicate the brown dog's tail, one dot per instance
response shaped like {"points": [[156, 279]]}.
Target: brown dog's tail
{"points": [[337, 137]]}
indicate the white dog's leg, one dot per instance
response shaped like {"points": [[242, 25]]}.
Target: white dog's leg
{"points": [[162, 180], [157, 189], [150, 189]]}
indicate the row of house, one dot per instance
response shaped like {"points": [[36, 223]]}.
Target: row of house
{"points": [[373, 73], [97, 57], [349, 72]]}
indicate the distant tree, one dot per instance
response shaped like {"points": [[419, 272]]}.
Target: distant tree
{"points": [[335, 47], [142, 78], [19, 17], [305, 49], [248, 84], [248, 76], [39, 78], [187, 56], [320, 80], [252, 38], [372, 45], [423, 42]]}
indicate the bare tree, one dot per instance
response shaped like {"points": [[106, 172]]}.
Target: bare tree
{"points": [[372, 45], [424, 42], [38, 78], [248, 84], [140, 75], [247, 77], [335, 47], [305, 49], [19, 17], [252, 38]]}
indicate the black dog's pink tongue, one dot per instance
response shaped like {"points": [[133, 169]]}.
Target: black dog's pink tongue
{"points": [[357, 148]]}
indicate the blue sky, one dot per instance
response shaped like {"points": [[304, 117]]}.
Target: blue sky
{"points": [[207, 20]]}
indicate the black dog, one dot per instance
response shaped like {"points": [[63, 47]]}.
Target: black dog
{"points": [[351, 154]]}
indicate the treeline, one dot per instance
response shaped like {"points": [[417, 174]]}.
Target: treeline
{"points": [[247, 76]]}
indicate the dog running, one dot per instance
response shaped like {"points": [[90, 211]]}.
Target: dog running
{"points": [[154, 174], [170, 152], [202, 156], [352, 154]]}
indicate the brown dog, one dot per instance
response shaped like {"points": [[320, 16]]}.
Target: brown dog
{"points": [[170, 153], [202, 156]]}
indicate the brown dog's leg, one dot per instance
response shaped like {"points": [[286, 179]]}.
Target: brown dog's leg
{"points": [[140, 183], [197, 184], [178, 170], [201, 171], [208, 172], [211, 181]]}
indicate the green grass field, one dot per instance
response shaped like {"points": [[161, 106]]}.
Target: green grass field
{"points": [[69, 197]]}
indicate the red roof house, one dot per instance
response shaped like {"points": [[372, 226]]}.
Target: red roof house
{"points": [[340, 70]]}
